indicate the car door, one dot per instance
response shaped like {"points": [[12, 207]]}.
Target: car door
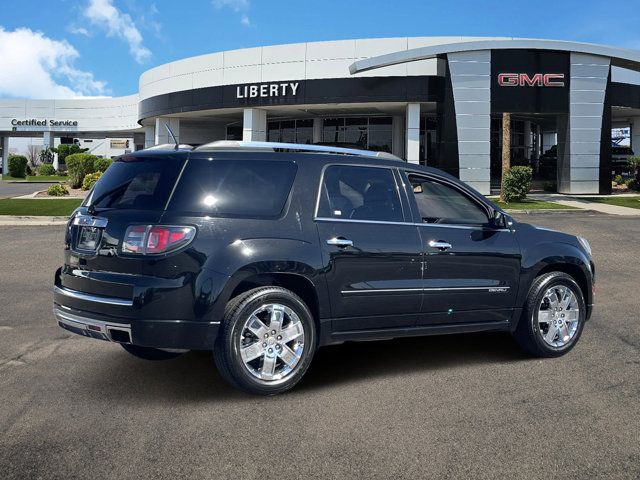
{"points": [[371, 249], [471, 269]]}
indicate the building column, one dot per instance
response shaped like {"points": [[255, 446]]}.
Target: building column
{"points": [[254, 126], [317, 130], [634, 123], [412, 133], [397, 136], [471, 83], [579, 167], [5, 155], [161, 135], [47, 142], [149, 136]]}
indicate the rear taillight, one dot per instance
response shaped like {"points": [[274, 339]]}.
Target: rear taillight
{"points": [[156, 239]]}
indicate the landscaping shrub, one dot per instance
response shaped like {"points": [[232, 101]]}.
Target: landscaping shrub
{"points": [[66, 150], [57, 190], [617, 179], [90, 180], [632, 184], [18, 166], [79, 165], [29, 171], [101, 164], [517, 183], [550, 187], [46, 169], [634, 166]]}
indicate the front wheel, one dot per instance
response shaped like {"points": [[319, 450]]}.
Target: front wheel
{"points": [[266, 341], [553, 317]]}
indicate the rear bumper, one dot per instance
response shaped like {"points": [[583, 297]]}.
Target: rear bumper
{"points": [[177, 334]]}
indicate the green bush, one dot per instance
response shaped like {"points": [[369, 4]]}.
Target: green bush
{"points": [[516, 184], [57, 190], [101, 164], [79, 165], [617, 179], [90, 180], [29, 171], [632, 184], [46, 169], [634, 166], [18, 166], [65, 150]]}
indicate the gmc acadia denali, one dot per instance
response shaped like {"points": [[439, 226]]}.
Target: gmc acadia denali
{"points": [[263, 252]]}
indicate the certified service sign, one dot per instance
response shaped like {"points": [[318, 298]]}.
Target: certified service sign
{"points": [[34, 122]]}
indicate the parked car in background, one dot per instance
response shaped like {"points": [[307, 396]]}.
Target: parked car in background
{"points": [[263, 252]]}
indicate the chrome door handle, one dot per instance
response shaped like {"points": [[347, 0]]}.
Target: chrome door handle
{"points": [[340, 242], [440, 245]]}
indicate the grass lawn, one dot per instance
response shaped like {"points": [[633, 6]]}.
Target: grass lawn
{"points": [[631, 202], [530, 204], [49, 207], [38, 178]]}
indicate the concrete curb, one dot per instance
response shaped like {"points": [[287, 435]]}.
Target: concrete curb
{"points": [[21, 221], [551, 210]]}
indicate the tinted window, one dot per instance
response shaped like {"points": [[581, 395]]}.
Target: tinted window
{"points": [[360, 193], [440, 203], [142, 183], [247, 188]]}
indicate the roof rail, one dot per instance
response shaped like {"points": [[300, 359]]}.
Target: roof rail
{"points": [[227, 145], [170, 146]]}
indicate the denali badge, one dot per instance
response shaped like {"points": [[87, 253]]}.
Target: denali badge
{"points": [[537, 80]]}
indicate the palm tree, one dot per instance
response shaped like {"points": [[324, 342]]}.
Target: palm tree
{"points": [[506, 149]]}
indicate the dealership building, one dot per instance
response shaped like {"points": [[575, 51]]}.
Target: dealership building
{"points": [[435, 101]]}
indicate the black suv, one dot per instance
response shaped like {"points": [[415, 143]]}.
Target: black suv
{"points": [[264, 252]]}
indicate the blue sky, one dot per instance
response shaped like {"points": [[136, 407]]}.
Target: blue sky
{"points": [[65, 48]]}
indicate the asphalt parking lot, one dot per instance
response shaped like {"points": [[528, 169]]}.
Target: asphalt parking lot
{"points": [[14, 189], [467, 406]]}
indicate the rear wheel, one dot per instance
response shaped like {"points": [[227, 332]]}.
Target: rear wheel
{"points": [[553, 317], [266, 341], [149, 353]]}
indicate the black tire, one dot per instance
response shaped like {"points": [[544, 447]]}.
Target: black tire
{"points": [[226, 352], [149, 353], [528, 333]]}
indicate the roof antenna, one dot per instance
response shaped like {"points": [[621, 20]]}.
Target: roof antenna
{"points": [[175, 140]]}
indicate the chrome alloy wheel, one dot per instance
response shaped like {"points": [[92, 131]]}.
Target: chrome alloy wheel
{"points": [[272, 342], [558, 316]]}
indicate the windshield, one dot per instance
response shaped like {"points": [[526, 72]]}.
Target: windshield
{"points": [[140, 183]]}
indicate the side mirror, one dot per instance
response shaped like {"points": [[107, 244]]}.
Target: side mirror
{"points": [[499, 220]]}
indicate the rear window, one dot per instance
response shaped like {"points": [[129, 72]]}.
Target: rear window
{"points": [[244, 188], [140, 183]]}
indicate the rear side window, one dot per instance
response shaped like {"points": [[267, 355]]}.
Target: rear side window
{"points": [[140, 183], [242, 188], [360, 193]]}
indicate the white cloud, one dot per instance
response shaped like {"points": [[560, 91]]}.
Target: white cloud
{"points": [[78, 30], [238, 6], [103, 14], [35, 66]]}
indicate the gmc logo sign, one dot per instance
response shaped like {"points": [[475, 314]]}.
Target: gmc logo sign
{"points": [[537, 80]]}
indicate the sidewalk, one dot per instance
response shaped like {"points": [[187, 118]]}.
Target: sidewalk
{"points": [[581, 201]]}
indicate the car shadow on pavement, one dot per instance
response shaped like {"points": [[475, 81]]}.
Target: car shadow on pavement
{"points": [[193, 376], [350, 362]]}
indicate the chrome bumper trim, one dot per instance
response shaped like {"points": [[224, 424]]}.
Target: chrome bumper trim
{"points": [[90, 327], [92, 298]]}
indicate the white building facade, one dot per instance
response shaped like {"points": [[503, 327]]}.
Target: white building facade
{"points": [[436, 101]]}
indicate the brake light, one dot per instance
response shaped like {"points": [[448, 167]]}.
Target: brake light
{"points": [[156, 239]]}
